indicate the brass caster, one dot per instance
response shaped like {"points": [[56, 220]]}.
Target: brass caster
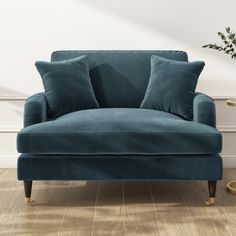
{"points": [[231, 187], [210, 201], [29, 201]]}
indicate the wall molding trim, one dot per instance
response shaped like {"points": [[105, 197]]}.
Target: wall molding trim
{"points": [[13, 98], [9, 129], [22, 98], [227, 128], [216, 98], [15, 129]]}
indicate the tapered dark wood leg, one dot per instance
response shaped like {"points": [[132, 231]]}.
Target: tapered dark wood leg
{"points": [[28, 190], [212, 192], [212, 188]]}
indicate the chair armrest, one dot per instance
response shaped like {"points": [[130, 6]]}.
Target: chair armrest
{"points": [[204, 110], [35, 109]]}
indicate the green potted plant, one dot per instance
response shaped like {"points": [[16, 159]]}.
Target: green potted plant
{"points": [[229, 43]]}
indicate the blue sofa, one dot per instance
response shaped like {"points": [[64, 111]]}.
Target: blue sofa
{"points": [[119, 141]]}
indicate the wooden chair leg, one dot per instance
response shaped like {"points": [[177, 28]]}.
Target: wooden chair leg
{"points": [[28, 190], [212, 193]]}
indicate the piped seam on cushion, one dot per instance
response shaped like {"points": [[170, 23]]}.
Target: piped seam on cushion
{"points": [[98, 133]]}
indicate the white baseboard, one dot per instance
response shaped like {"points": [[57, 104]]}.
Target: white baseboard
{"points": [[8, 161], [229, 161]]}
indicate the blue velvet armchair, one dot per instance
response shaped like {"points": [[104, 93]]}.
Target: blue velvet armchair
{"points": [[119, 141]]}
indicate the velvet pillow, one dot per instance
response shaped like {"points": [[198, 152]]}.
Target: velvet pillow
{"points": [[172, 86], [67, 85]]}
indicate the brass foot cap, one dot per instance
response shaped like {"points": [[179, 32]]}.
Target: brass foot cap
{"points": [[231, 186], [210, 201], [29, 201]]}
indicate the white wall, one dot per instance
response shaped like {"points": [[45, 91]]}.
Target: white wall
{"points": [[30, 30]]}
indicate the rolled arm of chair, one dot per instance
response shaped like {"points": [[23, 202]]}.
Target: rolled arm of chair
{"points": [[35, 109], [204, 110]]}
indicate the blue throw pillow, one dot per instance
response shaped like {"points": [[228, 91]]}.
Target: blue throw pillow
{"points": [[67, 85], [172, 86]]}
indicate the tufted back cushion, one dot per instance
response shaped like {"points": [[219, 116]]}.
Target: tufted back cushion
{"points": [[119, 77]]}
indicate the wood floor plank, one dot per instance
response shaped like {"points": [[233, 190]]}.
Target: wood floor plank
{"points": [[21, 218], [28, 220], [130, 208], [172, 213], [2, 172], [140, 217], [205, 218], [226, 203], [109, 211], [8, 175], [52, 212], [79, 214], [10, 193], [51, 202]]}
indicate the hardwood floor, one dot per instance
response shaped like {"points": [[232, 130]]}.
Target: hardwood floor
{"points": [[116, 208]]}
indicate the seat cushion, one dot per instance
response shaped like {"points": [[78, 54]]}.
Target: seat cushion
{"points": [[119, 131]]}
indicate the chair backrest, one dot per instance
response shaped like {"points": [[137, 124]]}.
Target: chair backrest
{"points": [[119, 77]]}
